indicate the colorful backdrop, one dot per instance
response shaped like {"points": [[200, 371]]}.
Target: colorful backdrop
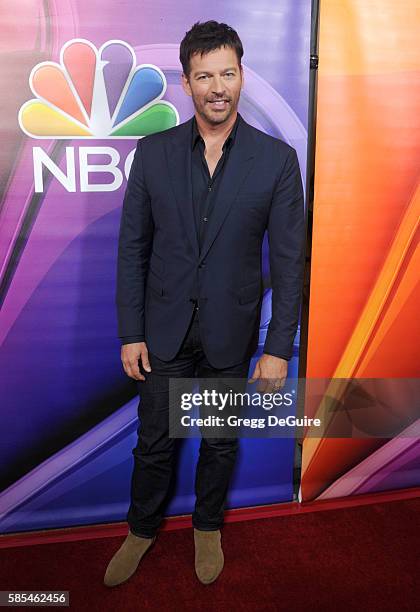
{"points": [[365, 290], [81, 82]]}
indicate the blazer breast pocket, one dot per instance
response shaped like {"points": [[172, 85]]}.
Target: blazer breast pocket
{"points": [[254, 203], [255, 196], [250, 292]]}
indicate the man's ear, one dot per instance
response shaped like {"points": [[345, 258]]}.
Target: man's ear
{"points": [[186, 84], [242, 77]]}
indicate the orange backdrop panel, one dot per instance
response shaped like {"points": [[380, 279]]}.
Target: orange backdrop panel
{"points": [[365, 290]]}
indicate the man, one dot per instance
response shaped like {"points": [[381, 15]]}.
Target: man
{"points": [[189, 288]]}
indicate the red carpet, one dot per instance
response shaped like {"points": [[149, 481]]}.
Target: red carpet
{"points": [[361, 558]]}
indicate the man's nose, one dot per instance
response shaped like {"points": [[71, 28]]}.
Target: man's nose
{"points": [[218, 86]]}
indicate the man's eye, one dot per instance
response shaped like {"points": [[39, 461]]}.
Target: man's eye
{"points": [[203, 76], [229, 74]]}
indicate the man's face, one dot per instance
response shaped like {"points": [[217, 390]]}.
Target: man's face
{"points": [[214, 83]]}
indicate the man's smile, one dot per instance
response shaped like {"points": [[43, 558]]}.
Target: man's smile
{"points": [[219, 104]]}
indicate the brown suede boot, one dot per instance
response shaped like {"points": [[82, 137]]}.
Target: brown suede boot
{"points": [[209, 559], [126, 560]]}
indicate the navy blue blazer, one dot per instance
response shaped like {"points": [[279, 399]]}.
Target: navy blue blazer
{"points": [[160, 269]]}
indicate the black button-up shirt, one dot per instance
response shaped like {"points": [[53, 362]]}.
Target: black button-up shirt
{"points": [[204, 186]]}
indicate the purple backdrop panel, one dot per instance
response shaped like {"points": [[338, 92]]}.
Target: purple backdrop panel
{"points": [[67, 407]]}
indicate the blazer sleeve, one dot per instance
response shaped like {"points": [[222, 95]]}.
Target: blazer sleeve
{"points": [[286, 240], [134, 246]]}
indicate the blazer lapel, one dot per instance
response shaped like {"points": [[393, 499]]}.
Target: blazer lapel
{"points": [[178, 152], [238, 165]]}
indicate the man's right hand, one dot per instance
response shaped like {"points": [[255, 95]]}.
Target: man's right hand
{"points": [[130, 355]]}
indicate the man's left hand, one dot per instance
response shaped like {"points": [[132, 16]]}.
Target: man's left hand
{"points": [[271, 372]]}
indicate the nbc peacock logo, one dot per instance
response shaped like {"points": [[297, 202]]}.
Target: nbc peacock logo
{"points": [[96, 93]]}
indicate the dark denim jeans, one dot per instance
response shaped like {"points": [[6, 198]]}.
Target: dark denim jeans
{"points": [[154, 452]]}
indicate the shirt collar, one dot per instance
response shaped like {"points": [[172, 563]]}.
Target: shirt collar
{"points": [[196, 136]]}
